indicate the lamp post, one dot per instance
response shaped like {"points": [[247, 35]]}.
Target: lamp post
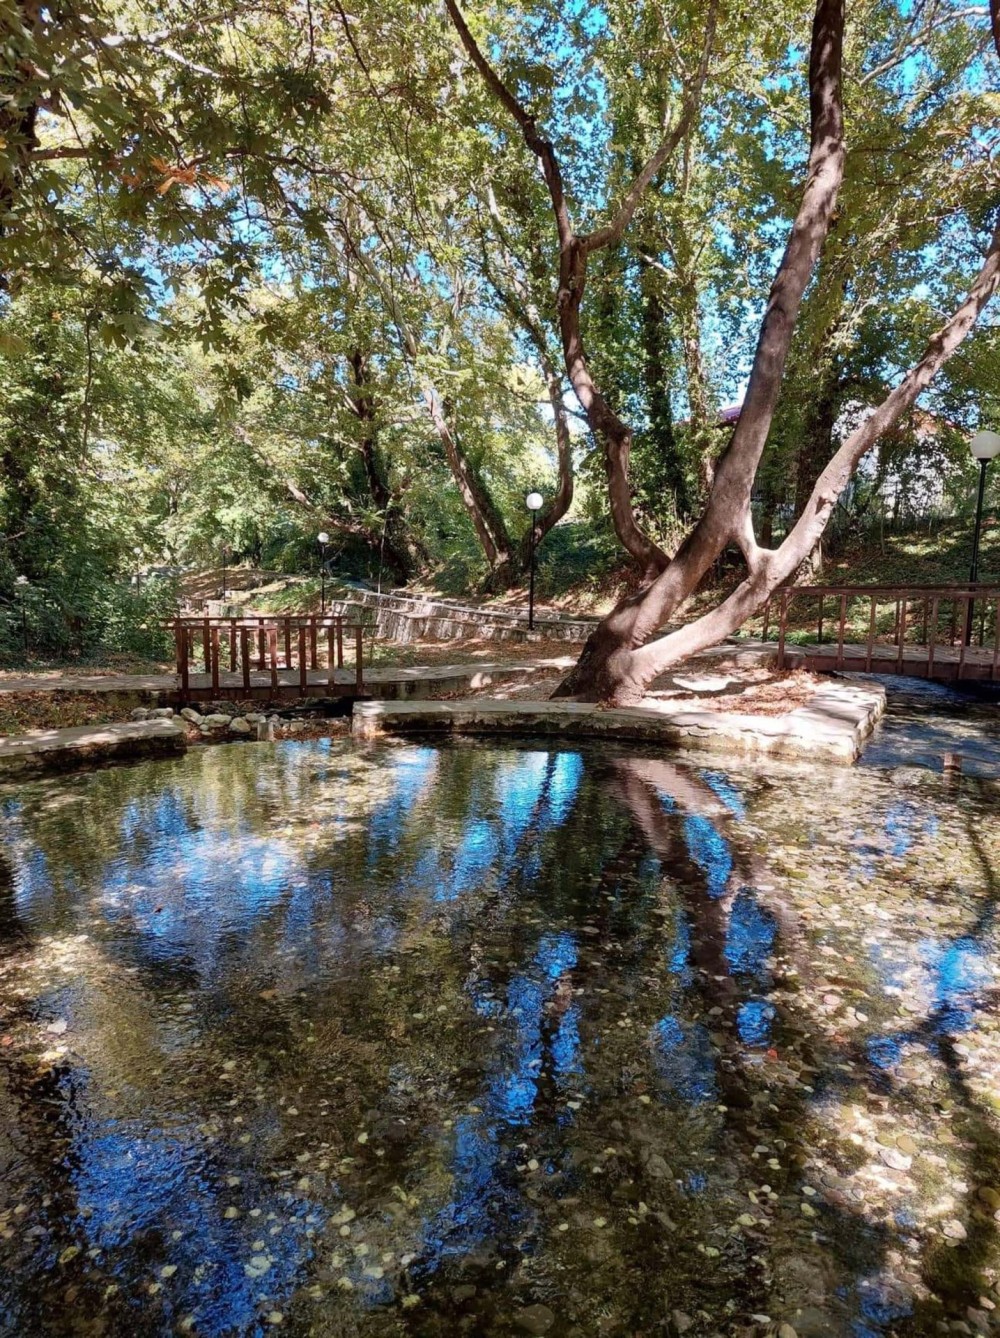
{"points": [[984, 446], [322, 539], [22, 584], [533, 502]]}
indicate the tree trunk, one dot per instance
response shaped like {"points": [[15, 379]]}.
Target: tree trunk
{"points": [[17, 125], [618, 666], [611, 666], [656, 374], [397, 547], [482, 510]]}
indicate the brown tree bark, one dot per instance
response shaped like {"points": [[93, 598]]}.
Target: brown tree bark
{"points": [[607, 668], [575, 248], [482, 510], [396, 545], [18, 122]]}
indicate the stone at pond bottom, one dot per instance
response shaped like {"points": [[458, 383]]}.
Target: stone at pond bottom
{"points": [[240, 726], [895, 1159], [535, 1319], [215, 721]]}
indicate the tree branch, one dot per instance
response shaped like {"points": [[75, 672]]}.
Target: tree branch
{"points": [[614, 229]]}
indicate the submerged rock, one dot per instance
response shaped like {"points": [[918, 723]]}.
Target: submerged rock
{"points": [[535, 1319]]}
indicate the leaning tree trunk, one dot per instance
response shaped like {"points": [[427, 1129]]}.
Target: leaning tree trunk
{"points": [[619, 662], [607, 668]]}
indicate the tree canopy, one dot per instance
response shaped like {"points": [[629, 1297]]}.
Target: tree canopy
{"points": [[268, 269]]}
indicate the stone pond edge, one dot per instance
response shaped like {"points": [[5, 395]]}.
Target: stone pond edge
{"points": [[833, 725], [48, 750]]}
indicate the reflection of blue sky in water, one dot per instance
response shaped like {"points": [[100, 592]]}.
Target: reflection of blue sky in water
{"points": [[954, 976], [683, 1059], [754, 1018], [750, 935], [882, 1303], [710, 851], [410, 773], [679, 950], [725, 789], [132, 1178], [486, 1199], [905, 821], [33, 878], [533, 793]]}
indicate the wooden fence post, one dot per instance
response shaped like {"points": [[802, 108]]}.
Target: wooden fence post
{"points": [[359, 659], [871, 634], [782, 624], [840, 632], [245, 658], [272, 647], [185, 670], [215, 659], [206, 642], [303, 664], [331, 655]]}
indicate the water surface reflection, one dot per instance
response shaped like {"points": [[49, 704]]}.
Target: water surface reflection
{"points": [[435, 1040]]}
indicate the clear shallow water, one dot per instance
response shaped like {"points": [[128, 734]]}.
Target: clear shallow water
{"points": [[926, 720], [490, 1040]]}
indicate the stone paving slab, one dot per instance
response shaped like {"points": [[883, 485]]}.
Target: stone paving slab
{"points": [[832, 726], [83, 745]]}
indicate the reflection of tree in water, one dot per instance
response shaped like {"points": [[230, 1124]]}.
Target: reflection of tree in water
{"points": [[611, 977]]}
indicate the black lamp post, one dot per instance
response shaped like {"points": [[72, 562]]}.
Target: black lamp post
{"points": [[22, 585], [984, 446], [322, 539], [533, 502]]}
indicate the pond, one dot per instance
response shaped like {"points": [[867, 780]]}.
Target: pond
{"points": [[472, 1039]]}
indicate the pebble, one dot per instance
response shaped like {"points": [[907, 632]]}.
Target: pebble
{"points": [[535, 1319], [898, 1161]]}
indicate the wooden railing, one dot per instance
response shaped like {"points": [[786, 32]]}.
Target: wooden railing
{"points": [[957, 627], [267, 645]]}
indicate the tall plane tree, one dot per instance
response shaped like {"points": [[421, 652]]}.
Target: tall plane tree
{"points": [[624, 655]]}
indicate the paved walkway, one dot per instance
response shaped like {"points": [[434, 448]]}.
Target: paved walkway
{"points": [[389, 682]]}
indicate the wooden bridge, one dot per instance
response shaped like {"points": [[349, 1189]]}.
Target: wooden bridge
{"points": [[247, 658], [924, 631]]}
